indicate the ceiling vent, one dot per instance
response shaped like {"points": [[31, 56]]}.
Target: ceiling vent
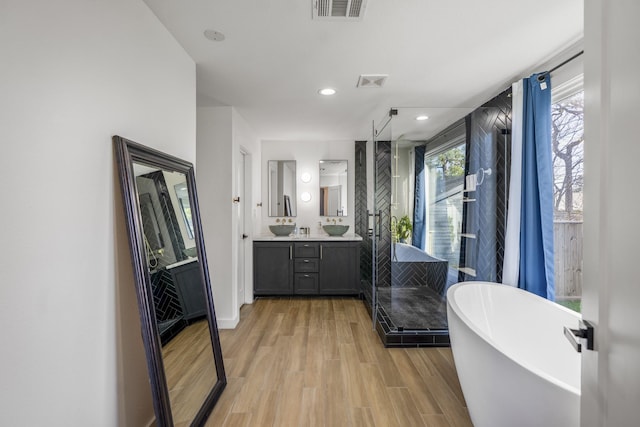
{"points": [[338, 10], [372, 80]]}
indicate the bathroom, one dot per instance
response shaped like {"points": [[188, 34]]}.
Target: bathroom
{"points": [[120, 67], [410, 309], [423, 319]]}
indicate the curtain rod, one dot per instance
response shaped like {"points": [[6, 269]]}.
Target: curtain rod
{"points": [[563, 63]]}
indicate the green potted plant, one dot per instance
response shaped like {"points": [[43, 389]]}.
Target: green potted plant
{"points": [[403, 229]]}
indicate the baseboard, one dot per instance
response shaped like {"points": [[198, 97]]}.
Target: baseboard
{"points": [[228, 323]]}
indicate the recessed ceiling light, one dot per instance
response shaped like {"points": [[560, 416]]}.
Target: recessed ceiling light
{"points": [[214, 35], [422, 118], [327, 91]]}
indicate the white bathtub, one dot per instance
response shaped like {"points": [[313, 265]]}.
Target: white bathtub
{"points": [[515, 366]]}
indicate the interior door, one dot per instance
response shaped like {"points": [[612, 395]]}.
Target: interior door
{"points": [[333, 203], [611, 293], [241, 232]]}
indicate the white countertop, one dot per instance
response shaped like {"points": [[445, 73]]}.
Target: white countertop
{"points": [[179, 263], [348, 237]]}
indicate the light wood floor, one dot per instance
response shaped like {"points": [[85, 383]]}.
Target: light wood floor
{"points": [[190, 371], [317, 362]]}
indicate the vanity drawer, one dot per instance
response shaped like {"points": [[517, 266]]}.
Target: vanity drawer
{"points": [[306, 265], [306, 249], [305, 283]]}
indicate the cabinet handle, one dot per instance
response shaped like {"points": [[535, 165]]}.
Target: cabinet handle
{"points": [[306, 260], [290, 252], [306, 275], [306, 246], [320, 251]]}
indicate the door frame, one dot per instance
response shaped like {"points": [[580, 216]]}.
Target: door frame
{"points": [[610, 384], [246, 196]]}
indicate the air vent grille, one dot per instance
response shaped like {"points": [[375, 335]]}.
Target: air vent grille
{"points": [[355, 9], [372, 80], [352, 10], [339, 8]]}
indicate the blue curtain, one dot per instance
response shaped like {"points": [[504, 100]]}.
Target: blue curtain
{"points": [[420, 207], [536, 227]]}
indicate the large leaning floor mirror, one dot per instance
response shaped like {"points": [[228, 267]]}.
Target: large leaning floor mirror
{"points": [[172, 281]]}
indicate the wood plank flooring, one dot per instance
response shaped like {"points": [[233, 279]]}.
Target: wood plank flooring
{"points": [[190, 371], [317, 362]]}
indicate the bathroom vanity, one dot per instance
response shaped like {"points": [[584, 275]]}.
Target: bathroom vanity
{"points": [[321, 265], [188, 283]]}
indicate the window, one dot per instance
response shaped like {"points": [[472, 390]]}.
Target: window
{"points": [[567, 139], [444, 191]]}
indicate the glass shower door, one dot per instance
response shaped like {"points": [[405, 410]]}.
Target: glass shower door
{"points": [[411, 276], [380, 211]]}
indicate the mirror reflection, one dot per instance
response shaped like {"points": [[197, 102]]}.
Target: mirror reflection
{"points": [[282, 187], [173, 289], [333, 188], [179, 300], [185, 207]]}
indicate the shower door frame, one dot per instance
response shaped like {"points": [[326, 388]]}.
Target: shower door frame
{"points": [[377, 216]]}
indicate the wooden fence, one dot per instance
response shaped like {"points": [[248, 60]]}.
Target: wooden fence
{"points": [[568, 259]]}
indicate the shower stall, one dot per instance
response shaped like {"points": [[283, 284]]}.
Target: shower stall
{"points": [[447, 174]]}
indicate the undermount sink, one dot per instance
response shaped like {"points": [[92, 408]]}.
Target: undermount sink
{"points": [[282, 229], [335, 229]]}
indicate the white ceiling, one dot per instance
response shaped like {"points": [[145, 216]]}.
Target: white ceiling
{"points": [[438, 54]]}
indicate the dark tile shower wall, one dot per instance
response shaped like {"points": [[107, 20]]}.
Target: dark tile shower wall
{"points": [[361, 215], [164, 215], [165, 296], [502, 186], [432, 274], [488, 133], [169, 214], [383, 199], [168, 309]]}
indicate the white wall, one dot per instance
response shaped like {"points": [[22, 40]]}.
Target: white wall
{"points": [[307, 154], [245, 140], [222, 133], [611, 294], [73, 74]]}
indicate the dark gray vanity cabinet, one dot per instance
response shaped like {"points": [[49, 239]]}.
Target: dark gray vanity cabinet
{"points": [[339, 268], [306, 268], [306, 264], [190, 290], [272, 268]]}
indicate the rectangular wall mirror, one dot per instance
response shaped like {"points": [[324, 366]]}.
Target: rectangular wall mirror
{"points": [[173, 288], [333, 188], [282, 187]]}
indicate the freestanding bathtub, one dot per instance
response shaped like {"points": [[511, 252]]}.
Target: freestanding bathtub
{"points": [[515, 366]]}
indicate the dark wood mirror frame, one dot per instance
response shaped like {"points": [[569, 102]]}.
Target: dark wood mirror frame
{"points": [[128, 152]]}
